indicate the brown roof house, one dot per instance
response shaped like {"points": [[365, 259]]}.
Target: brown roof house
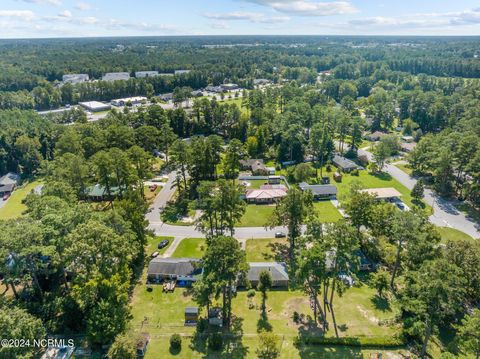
{"points": [[257, 166], [266, 194]]}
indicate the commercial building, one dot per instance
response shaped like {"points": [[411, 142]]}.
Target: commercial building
{"points": [[116, 76], [95, 106], [142, 74], [75, 78], [128, 100]]}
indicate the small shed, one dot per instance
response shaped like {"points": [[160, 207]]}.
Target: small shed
{"points": [[191, 315], [337, 176], [274, 179], [142, 343], [215, 316]]}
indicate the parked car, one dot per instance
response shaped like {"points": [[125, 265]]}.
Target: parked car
{"points": [[155, 254], [163, 244], [153, 187], [5, 197], [280, 235]]}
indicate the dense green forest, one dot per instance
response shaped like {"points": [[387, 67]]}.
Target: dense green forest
{"points": [[70, 265]]}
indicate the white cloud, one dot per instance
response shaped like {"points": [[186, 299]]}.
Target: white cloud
{"points": [[21, 14], [308, 7], [247, 16], [83, 6], [43, 2], [66, 14], [427, 20], [220, 25]]}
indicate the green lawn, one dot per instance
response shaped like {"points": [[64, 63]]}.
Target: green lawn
{"points": [[256, 215], [327, 212], [452, 234], [190, 248], [358, 313], [405, 168], [14, 206], [261, 249]]}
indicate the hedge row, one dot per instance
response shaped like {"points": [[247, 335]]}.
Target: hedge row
{"points": [[372, 342]]}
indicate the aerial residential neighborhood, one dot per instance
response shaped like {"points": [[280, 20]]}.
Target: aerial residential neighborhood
{"points": [[239, 179]]}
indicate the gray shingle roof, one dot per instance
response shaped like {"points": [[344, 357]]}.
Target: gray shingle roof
{"points": [[173, 267], [277, 270], [319, 189], [344, 163]]}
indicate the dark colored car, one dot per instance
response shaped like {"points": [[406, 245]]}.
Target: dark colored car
{"points": [[163, 244], [280, 235]]}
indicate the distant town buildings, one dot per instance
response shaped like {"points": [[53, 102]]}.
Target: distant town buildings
{"points": [[116, 76], [142, 74], [129, 100], [75, 78], [182, 72]]}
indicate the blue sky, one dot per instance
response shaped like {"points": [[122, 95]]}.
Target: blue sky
{"points": [[66, 18]]}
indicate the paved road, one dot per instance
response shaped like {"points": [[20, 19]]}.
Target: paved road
{"points": [[444, 212]]}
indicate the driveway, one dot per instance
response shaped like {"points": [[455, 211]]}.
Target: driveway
{"points": [[444, 212]]}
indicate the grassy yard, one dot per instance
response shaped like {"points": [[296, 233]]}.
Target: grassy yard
{"points": [[262, 249], [405, 168], [358, 314], [149, 195], [327, 212], [190, 248], [452, 234], [256, 215], [14, 206]]}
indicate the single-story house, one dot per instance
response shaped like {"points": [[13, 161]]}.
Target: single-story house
{"points": [[8, 183], [184, 270], [265, 195], [408, 146], [320, 191], [344, 164], [383, 193], [376, 136], [116, 76], [277, 270], [99, 193], [261, 82], [95, 106], [166, 97], [256, 165]]}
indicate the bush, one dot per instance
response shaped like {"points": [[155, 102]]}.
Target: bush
{"points": [[355, 173], [296, 317], [176, 342], [215, 342], [123, 347], [329, 168], [251, 293]]}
